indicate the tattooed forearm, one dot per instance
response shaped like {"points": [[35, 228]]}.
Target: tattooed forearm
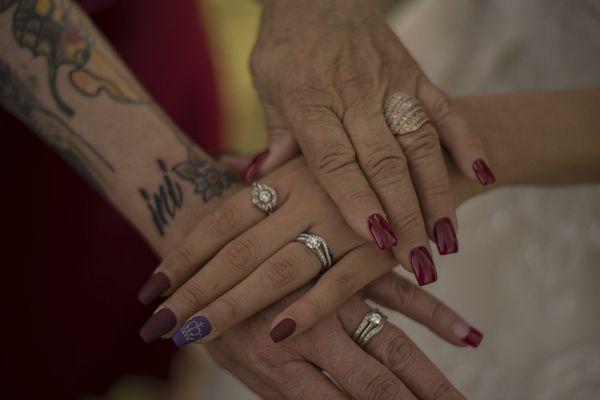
{"points": [[58, 31], [208, 179], [18, 98]]}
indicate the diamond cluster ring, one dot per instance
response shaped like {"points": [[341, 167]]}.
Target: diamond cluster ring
{"points": [[404, 114], [370, 326], [264, 197]]}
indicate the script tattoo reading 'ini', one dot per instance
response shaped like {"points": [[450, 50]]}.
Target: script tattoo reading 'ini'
{"points": [[208, 179]]}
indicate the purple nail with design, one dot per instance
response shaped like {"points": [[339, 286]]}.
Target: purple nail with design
{"points": [[194, 329]]}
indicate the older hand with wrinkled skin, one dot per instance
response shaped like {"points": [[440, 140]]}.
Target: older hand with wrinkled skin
{"points": [[323, 70], [389, 367]]}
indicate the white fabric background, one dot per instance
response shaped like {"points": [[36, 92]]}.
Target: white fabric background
{"points": [[528, 269]]}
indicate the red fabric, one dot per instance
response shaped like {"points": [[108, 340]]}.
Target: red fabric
{"points": [[71, 266]]}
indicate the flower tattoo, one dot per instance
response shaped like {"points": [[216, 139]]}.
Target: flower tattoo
{"points": [[208, 178]]}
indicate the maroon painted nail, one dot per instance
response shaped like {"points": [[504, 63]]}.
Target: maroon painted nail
{"points": [[252, 170], [467, 334], [445, 237], [283, 329], [483, 172], [423, 266], [153, 288], [473, 338], [381, 232], [159, 324]]}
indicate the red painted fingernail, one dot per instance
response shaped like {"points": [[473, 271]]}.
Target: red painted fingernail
{"points": [[445, 237], [153, 288], [423, 266], [381, 232], [252, 170], [483, 172], [283, 329]]}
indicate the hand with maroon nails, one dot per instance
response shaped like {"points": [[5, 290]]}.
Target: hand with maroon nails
{"points": [[257, 258], [247, 351]]}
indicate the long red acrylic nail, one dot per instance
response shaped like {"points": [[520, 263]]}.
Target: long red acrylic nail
{"points": [[381, 232], [252, 170], [423, 266], [483, 172]]}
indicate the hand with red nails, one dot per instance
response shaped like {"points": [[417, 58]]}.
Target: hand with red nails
{"points": [[324, 69], [239, 260], [390, 366]]}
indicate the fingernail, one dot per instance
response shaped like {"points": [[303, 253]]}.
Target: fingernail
{"points": [[483, 172], [467, 334], [283, 329], [159, 324], [252, 170], [194, 329], [153, 288], [423, 266], [381, 232], [445, 237]]}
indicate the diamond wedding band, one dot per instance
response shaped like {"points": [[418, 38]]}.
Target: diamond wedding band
{"points": [[319, 247], [370, 326]]}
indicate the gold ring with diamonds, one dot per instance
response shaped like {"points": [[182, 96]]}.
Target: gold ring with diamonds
{"points": [[264, 197], [319, 247], [404, 114], [370, 326]]}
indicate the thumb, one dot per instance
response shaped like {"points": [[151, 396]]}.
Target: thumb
{"points": [[282, 146]]}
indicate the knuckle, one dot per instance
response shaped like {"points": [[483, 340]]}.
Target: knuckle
{"points": [[381, 386], [405, 292], [194, 294], [443, 108], [241, 254], [336, 160], [268, 356], [223, 220], [314, 308], [233, 308], [386, 166], [408, 220], [440, 389], [401, 353], [437, 311], [423, 144], [180, 259], [281, 271], [343, 285]]}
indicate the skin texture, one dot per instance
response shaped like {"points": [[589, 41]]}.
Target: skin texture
{"points": [[132, 136], [129, 150], [323, 71]]}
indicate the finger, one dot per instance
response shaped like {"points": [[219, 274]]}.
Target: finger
{"points": [[287, 270], [334, 288], [386, 167], [282, 146], [300, 380], [398, 353], [366, 379], [331, 157], [234, 162], [430, 178], [227, 268], [218, 228], [395, 292], [463, 144], [245, 375]]}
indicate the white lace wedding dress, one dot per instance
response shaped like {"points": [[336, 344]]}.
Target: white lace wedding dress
{"points": [[528, 271]]}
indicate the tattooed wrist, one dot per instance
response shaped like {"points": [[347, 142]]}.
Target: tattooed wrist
{"points": [[208, 180]]}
